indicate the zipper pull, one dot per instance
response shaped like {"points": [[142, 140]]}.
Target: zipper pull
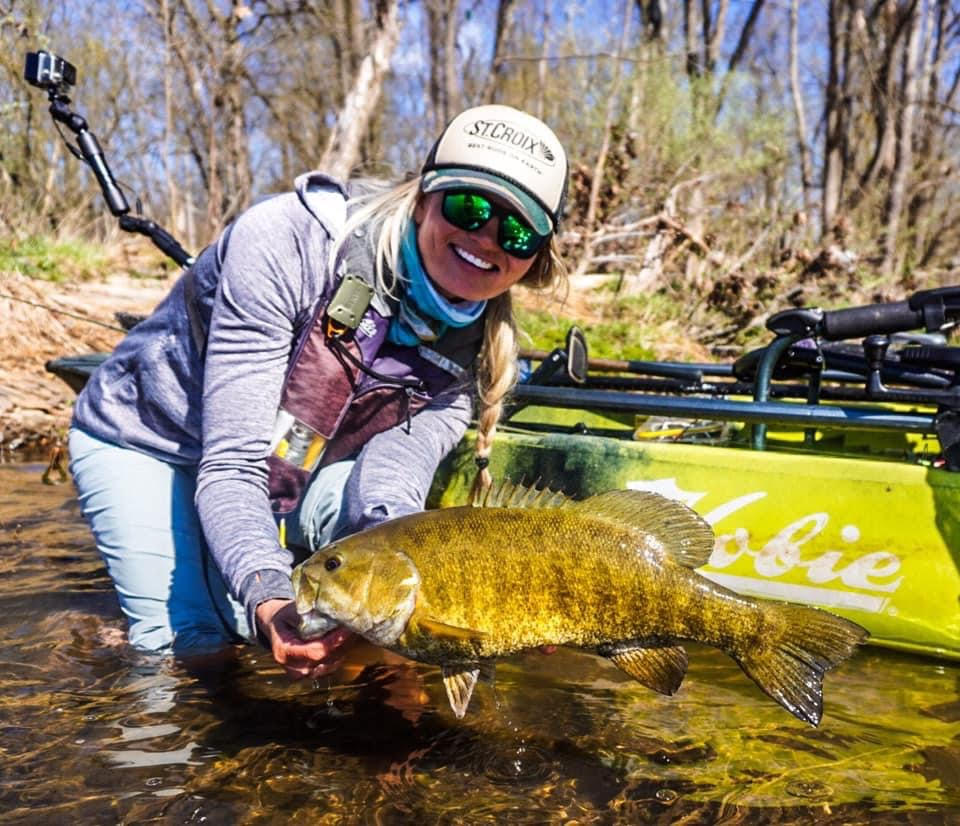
{"points": [[407, 395]]}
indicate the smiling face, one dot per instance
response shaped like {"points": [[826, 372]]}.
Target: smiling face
{"points": [[464, 265]]}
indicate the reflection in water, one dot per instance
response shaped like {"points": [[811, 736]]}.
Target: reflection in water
{"points": [[93, 732]]}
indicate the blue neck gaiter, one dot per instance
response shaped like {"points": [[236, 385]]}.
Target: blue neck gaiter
{"points": [[424, 314]]}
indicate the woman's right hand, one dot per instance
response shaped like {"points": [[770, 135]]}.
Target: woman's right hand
{"points": [[279, 621]]}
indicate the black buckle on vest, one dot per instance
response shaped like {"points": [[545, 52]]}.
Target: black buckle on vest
{"points": [[334, 330]]}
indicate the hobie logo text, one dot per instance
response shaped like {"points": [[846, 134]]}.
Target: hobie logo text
{"points": [[871, 571], [852, 570]]}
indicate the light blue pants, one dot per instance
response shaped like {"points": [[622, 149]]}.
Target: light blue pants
{"points": [[146, 528]]}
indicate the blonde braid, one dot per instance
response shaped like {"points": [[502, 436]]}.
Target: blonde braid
{"points": [[497, 371], [495, 377]]}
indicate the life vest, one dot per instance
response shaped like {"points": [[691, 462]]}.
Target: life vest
{"points": [[346, 382], [331, 405]]}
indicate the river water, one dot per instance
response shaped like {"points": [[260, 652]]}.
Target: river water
{"points": [[92, 732]]}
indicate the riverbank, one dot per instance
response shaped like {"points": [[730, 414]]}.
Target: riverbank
{"points": [[44, 319], [41, 320]]}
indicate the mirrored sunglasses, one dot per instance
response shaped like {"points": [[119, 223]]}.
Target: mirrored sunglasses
{"points": [[470, 210]]}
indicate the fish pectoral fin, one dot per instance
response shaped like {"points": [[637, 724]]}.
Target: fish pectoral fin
{"points": [[661, 668], [450, 632], [459, 680]]}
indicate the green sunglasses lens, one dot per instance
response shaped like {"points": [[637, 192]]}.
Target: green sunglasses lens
{"points": [[517, 238], [467, 210], [471, 210]]}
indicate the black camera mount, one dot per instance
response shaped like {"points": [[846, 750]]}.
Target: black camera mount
{"points": [[56, 75]]}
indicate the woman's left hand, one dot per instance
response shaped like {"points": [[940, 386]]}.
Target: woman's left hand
{"points": [[278, 620]]}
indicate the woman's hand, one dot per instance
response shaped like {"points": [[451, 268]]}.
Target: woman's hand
{"points": [[278, 620]]}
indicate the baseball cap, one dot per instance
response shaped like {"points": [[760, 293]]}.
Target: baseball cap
{"points": [[505, 152]]}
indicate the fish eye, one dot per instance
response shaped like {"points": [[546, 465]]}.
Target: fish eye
{"points": [[331, 563]]}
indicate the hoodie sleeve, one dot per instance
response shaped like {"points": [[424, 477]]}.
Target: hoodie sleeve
{"points": [[272, 275], [394, 471]]}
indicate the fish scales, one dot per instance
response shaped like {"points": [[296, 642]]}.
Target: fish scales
{"points": [[613, 573], [541, 585], [508, 588]]}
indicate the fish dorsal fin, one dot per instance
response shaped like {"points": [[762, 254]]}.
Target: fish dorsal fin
{"points": [[661, 668], [517, 495], [459, 679], [684, 534]]}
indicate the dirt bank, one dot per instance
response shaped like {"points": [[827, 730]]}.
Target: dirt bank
{"points": [[39, 321], [34, 404]]}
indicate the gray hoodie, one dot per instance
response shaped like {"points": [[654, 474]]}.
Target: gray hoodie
{"points": [[156, 394]]}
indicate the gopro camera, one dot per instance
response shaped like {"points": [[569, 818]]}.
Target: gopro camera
{"points": [[47, 71]]}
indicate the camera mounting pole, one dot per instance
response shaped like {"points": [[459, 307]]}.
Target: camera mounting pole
{"points": [[55, 75], [90, 149]]}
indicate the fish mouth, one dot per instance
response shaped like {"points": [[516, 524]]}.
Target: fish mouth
{"points": [[315, 624]]}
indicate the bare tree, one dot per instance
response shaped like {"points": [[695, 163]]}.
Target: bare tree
{"points": [[442, 28], [740, 50], [501, 34], [42, 187], [542, 63], [885, 99], [450, 68], [713, 31], [207, 47], [803, 151], [933, 147], [878, 40], [613, 105], [903, 161], [680, 163], [343, 148], [841, 16]]}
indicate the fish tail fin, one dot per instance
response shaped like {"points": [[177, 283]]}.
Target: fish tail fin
{"points": [[789, 664]]}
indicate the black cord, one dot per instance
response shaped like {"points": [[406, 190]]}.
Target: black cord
{"points": [[343, 350], [50, 309], [72, 147]]}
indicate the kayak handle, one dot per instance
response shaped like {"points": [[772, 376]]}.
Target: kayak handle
{"points": [[933, 310], [873, 319]]}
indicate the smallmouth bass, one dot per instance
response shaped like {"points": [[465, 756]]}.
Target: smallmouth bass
{"points": [[614, 573]]}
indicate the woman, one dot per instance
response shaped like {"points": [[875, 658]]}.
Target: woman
{"points": [[311, 370]]}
